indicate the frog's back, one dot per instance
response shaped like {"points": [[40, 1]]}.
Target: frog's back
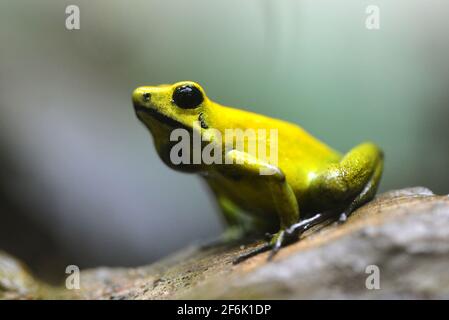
{"points": [[299, 153], [293, 141]]}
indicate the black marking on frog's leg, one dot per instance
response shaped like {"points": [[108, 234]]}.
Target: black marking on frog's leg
{"points": [[302, 226], [245, 256], [202, 121], [364, 196]]}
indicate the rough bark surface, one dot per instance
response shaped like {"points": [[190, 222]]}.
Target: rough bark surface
{"points": [[402, 234]]}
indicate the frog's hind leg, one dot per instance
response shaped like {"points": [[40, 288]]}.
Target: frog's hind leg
{"points": [[351, 182], [342, 187], [368, 192]]}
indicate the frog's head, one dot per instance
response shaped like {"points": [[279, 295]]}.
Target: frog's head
{"points": [[170, 106], [164, 108]]}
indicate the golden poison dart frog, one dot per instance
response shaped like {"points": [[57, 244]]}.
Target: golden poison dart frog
{"points": [[301, 184]]}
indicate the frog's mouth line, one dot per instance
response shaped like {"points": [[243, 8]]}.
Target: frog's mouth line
{"points": [[159, 117]]}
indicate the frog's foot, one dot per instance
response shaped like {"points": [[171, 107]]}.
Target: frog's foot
{"points": [[279, 240], [286, 237]]}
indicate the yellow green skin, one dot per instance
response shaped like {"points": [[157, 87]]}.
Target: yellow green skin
{"points": [[310, 177]]}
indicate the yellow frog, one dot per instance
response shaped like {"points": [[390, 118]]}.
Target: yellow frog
{"points": [[308, 183]]}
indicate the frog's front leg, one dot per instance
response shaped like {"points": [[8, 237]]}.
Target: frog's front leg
{"points": [[284, 200]]}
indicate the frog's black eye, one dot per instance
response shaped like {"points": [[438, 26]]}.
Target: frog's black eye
{"points": [[187, 96]]}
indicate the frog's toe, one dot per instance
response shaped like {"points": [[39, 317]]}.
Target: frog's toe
{"points": [[343, 218], [277, 243]]}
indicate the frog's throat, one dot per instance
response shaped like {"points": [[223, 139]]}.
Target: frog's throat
{"points": [[162, 118]]}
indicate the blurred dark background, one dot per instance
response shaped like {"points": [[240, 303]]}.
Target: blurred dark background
{"points": [[80, 182]]}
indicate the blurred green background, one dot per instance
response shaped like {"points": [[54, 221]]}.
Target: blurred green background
{"points": [[80, 182]]}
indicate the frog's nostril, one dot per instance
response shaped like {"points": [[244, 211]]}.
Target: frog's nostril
{"points": [[146, 96]]}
